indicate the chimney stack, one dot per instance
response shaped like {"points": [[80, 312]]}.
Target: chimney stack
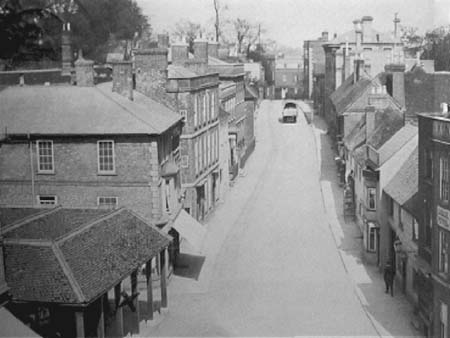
{"points": [[201, 50], [163, 41], [396, 23], [396, 81], [180, 53], [324, 36], [66, 50], [213, 49], [122, 75], [358, 35], [358, 69], [366, 26], [150, 69], [370, 120], [84, 71]]}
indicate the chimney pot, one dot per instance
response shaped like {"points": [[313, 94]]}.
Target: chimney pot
{"points": [[180, 53], [201, 49], [325, 36]]}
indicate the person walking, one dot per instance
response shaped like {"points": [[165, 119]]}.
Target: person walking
{"points": [[389, 278]]}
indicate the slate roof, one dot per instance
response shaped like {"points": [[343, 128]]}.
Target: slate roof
{"points": [[74, 260], [73, 110], [397, 141], [404, 185], [11, 215]]}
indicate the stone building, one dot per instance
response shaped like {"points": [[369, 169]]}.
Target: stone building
{"points": [[434, 223]]}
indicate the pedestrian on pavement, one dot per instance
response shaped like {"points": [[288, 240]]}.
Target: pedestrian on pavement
{"points": [[389, 274]]}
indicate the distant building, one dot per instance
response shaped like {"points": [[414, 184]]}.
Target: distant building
{"points": [[313, 66], [288, 77], [373, 48]]}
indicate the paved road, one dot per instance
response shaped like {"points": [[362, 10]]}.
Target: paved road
{"points": [[272, 266]]}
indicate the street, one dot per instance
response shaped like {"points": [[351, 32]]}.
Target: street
{"points": [[272, 264]]}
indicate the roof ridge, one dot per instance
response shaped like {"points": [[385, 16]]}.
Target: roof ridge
{"points": [[28, 219], [27, 241], [85, 226], [154, 227], [126, 109], [76, 288]]}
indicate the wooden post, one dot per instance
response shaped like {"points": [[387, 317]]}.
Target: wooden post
{"points": [[119, 310], [101, 319], [79, 319], [162, 258], [134, 292], [148, 270]]}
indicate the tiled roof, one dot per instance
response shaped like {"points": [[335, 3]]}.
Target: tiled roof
{"points": [[72, 110], [390, 121], [349, 92], [397, 141], [11, 215], [404, 185], [81, 257], [357, 136]]}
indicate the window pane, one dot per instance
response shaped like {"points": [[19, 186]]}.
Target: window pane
{"points": [[45, 155], [106, 156]]}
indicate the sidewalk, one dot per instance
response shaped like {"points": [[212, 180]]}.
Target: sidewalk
{"points": [[391, 316]]}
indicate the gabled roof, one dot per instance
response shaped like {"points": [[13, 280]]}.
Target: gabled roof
{"points": [[79, 253], [391, 121], [357, 135], [349, 92], [73, 110], [397, 141], [404, 185]]}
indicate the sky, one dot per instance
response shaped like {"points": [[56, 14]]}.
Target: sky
{"points": [[290, 22]]}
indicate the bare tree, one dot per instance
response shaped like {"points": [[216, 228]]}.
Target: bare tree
{"points": [[188, 31], [218, 8]]}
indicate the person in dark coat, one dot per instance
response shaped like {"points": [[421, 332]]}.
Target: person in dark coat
{"points": [[389, 278]]}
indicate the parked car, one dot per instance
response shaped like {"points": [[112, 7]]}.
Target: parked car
{"points": [[290, 112]]}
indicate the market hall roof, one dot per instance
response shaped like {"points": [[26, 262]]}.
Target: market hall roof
{"points": [[73, 110], [72, 256]]}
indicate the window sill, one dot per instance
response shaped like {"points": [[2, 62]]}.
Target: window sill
{"points": [[107, 174], [45, 173]]}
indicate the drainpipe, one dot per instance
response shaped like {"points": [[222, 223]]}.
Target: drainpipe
{"points": [[30, 146]]}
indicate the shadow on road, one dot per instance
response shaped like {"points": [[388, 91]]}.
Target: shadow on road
{"points": [[189, 266]]}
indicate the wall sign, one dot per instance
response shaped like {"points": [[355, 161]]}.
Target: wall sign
{"points": [[443, 217]]}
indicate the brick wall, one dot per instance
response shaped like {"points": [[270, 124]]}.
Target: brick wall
{"points": [[76, 181]]}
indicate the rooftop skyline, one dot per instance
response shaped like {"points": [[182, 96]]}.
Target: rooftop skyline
{"points": [[290, 22]]}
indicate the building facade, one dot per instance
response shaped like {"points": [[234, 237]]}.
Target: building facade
{"points": [[288, 78], [434, 229]]}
